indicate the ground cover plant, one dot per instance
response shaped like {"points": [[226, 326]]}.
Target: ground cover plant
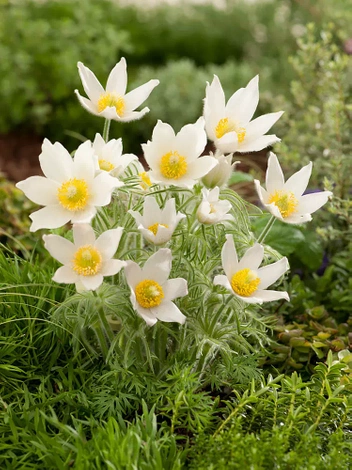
{"points": [[135, 319]]}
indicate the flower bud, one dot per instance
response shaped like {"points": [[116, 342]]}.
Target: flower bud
{"points": [[221, 173]]}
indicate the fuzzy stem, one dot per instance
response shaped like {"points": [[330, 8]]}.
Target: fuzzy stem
{"points": [[266, 229], [106, 129]]}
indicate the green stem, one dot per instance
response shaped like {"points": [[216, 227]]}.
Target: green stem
{"points": [[266, 229], [106, 129]]}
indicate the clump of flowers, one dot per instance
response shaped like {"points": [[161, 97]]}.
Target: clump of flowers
{"points": [[122, 213]]}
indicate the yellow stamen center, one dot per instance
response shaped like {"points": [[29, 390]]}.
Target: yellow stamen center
{"points": [[225, 126], [105, 165], [245, 282], [145, 180], [111, 100], [73, 194], [173, 165], [87, 261], [286, 202], [155, 227], [149, 293]]}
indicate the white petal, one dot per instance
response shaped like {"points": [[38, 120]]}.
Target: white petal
{"points": [[84, 163], [251, 299], [149, 236], [297, 219], [146, 314], [137, 217], [234, 103], [262, 193], [275, 211], [168, 312], [84, 216], [151, 212], [158, 266], [174, 288], [40, 190], [49, 217], [90, 83], [258, 144], [228, 143], [65, 275], [92, 282], [248, 102], [112, 267], [222, 280], [200, 167], [109, 113], [98, 143], [83, 234], [117, 80], [310, 203], [87, 104], [215, 97], [136, 97], [262, 124], [132, 115], [270, 295], [134, 274], [299, 181], [162, 236], [274, 176], [229, 257], [59, 248], [55, 161], [102, 188], [271, 273], [252, 258], [108, 242], [191, 140]]}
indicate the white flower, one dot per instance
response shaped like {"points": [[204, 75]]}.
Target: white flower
{"points": [[245, 279], [71, 191], [285, 200], [151, 291], [109, 156], [87, 260], [113, 102], [157, 225], [212, 210], [219, 175], [229, 125], [173, 159]]}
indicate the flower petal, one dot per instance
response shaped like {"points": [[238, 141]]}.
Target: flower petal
{"points": [[87, 104], [168, 312], [112, 267], [200, 167], [174, 288], [215, 97], [98, 143], [65, 275], [310, 203], [274, 176], [222, 280], [252, 258], [158, 266], [40, 190], [117, 80], [132, 115], [92, 282], [191, 140], [228, 143], [260, 126], [83, 234], [145, 313], [136, 97], [49, 217], [229, 257], [297, 219], [258, 144], [249, 101], [262, 193], [270, 295], [84, 216], [83, 162], [59, 248], [298, 182], [134, 274], [108, 242], [90, 83], [102, 188], [55, 161], [272, 272]]}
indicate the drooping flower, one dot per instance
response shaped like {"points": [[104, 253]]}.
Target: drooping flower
{"points": [[245, 279], [173, 159], [221, 173], [229, 125], [70, 190], [212, 210], [285, 200], [151, 290], [109, 156], [113, 102], [87, 260], [155, 224]]}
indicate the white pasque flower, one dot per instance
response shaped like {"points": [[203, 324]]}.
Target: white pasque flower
{"points": [[245, 279], [212, 210], [151, 290], [157, 225], [113, 102], [229, 125], [173, 159], [70, 190], [219, 175], [87, 260], [285, 200], [109, 156]]}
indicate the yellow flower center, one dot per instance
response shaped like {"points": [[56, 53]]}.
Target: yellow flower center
{"points": [[73, 194], [286, 202], [105, 165], [155, 227], [245, 282], [145, 180], [173, 165], [225, 126], [149, 293], [111, 100], [87, 261]]}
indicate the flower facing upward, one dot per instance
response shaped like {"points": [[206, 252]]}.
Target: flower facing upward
{"points": [[285, 200], [157, 225], [173, 159], [151, 290], [109, 156], [229, 125], [87, 260], [70, 189], [113, 102], [245, 279], [212, 210]]}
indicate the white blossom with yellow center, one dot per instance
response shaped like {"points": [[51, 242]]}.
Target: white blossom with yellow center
{"points": [[212, 210], [229, 125], [155, 224], [286, 200], [245, 279], [109, 156], [174, 159], [87, 260], [113, 102], [152, 292], [70, 190]]}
